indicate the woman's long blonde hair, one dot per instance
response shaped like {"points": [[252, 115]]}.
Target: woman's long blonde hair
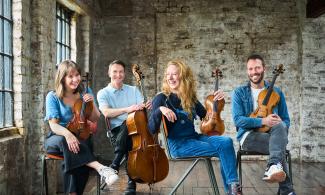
{"points": [[63, 69], [187, 87]]}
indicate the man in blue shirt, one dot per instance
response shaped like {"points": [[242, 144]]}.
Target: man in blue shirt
{"points": [[115, 101], [274, 141]]}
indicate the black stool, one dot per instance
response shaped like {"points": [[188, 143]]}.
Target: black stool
{"points": [[242, 152]]}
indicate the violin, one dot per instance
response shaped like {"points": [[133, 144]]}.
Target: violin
{"points": [[267, 100], [212, 124], [147, 161], [79, 125]]}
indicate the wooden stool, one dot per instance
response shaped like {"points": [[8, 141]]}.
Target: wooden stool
{"points": [[46, 157]]}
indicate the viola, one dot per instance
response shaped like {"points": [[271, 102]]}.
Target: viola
{"points": [[212, 124], [147, 161], [79, 125], [267, 100]]}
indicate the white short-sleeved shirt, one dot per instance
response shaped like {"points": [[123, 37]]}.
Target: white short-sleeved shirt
{"points": [[118, 98]]}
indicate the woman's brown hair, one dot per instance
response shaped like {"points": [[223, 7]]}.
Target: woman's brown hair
{"points": [[63, 69]]}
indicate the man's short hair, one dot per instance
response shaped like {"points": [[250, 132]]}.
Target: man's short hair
{"points": [[255, 56], [117, 62]]}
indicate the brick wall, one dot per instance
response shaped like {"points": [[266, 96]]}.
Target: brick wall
{"points": [[313, 90], [34, 68], [204, 33], [207, 34]]}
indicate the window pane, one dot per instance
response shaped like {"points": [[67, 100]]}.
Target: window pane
{"points": [[2, 110], [57, 53], [7, 8], [6, 97], [63, 33], [7, 37], [1, 72], [7, 73], [62, 13], [58, 30], [8, 109], [1, 3], [58, 12], [1, 35], [68, 53], [63, 53], [67, 34]]}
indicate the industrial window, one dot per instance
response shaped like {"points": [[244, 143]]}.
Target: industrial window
{"points": [[6, 89], [63, 31]]}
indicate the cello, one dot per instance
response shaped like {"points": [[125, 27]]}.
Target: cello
{"points": [[147, 161], [267, 100], [79, 125], [212, 123]]}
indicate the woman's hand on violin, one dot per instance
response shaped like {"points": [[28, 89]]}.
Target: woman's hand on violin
{"points": [[73, 143], [95, 114], [218, 95], [170, 115], [88, 97], [271, 120]]}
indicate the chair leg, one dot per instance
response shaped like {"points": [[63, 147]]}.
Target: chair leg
{"points": [[184, 176], [102, 185], [212, 176], [98, 183], [290, 166], [44, 176], [240, 170]]}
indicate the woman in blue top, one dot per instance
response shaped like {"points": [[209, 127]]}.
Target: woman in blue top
{"points": [[178, 103], [77, 153]]}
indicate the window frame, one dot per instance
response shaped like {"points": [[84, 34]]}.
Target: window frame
{"points": [[6, 65], [63, 43]]}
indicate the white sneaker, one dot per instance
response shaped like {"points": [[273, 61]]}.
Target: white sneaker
{"points": [[108, 174], [274, 174]]}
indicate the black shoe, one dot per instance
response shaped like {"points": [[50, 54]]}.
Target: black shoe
{"points": [[131, 188], [234, 189]]}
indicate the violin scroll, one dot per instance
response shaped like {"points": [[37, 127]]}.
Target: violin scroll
{"points": [[278, 70], [217, 73], [137, 73]]}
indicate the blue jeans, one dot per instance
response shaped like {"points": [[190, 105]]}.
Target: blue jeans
{"points": [[274, 142], [216, 146]]}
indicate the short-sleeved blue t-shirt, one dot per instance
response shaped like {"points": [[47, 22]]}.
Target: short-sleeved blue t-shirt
{"points": [[56, 109], [119, 98]]}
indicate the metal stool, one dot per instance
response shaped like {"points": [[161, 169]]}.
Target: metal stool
{"points": [[194, 159], [242, 152]]}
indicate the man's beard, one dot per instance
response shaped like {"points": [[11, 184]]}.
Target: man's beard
{"points": [[259, 80]]}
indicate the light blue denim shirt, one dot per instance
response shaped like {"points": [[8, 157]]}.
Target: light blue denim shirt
{"points": [[242, 107], [118, 98]]}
